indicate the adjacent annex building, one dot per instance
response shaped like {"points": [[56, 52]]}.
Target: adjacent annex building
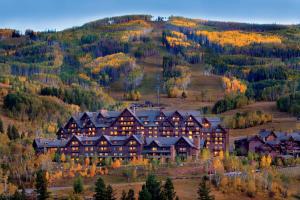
{"points": [[132, 133], [270, 142]]}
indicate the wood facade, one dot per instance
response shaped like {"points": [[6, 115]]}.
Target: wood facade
{"points": [[86, 133]]}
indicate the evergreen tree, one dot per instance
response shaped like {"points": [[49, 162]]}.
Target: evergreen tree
{"points": [[204, 190], [110, 194], [8, 132], [130, 195], [153, 186], [19, 195], [100, 190], [15, 132], [124, 195], [144, 194], [78, 185], [168, 192], [1, 126], [12, 132], [41, 185]]}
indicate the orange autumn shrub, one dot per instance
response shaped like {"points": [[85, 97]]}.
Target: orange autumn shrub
{"points": [[233, 85]]}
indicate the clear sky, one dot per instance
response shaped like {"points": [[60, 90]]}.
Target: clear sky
{"points": [[60, 14]]}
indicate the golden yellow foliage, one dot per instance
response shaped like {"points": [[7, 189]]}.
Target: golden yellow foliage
{"points": [[114, 60], [87, 161], [224, 182], [78, 168], [218, 165], [265, 161], [221, 155], [63, 157], [234, 85], [116, 164], [84, 77], [183, 22], [11, 188], [173, 41], [138, 161], [52, 127], [238, 38], [93, 170], [178, 34]]}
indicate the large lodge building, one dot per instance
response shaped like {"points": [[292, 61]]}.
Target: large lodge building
{"points": [[133, 133]]}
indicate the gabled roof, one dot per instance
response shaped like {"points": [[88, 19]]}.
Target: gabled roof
{"points": [[162, 141], [266, 133], [105, 118], [48, 143], [187, 140], [168, 141]]}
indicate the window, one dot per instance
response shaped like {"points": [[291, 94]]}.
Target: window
{"points": [[74, 148], [132, 148], [182, 149], [154, 148]]}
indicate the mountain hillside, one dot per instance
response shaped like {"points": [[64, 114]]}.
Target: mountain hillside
{"points": [[176, 62]]}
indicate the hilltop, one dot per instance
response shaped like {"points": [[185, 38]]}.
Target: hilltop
{"points": [[112, 62]]}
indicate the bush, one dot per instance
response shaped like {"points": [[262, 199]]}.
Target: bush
{"points": [[133, 95], [248, 119], [229, 103], [78, 185], [290, 103]]}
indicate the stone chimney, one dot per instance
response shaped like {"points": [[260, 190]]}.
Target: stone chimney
{"points": [[172, 153], [196, 141]]}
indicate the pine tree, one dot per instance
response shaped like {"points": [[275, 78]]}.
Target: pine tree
{"points": [[124, 195], [144, 194], [41, 185], [204, 190], [153, 186], [12, 132], [8, 132], [78, 185], [1, 126], [110, 194], [15, 132], [168, 192], [18, 195], [184, 95], [100, 190], [130, 195]]}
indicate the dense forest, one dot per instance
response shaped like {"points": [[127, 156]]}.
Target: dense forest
{"points": [[80, 66], [47, 76]]}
